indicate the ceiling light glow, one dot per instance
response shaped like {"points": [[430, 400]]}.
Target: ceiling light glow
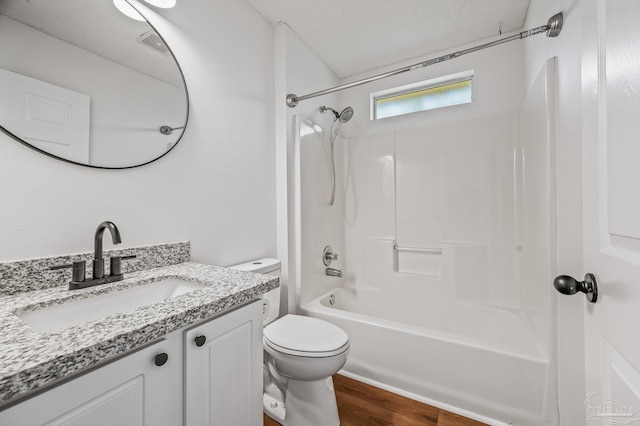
{"points": [[165, 4], [128, 10]]}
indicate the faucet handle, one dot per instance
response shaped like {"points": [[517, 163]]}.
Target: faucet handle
{"points": [[115, 264], [79, 270]]}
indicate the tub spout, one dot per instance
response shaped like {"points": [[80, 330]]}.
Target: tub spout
{"points": [[333, 272]]}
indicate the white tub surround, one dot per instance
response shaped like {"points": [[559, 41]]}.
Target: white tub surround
{"points": [[448, 222], [30, 361]]}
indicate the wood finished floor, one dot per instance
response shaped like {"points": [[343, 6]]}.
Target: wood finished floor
{"points": [[360, 404]]}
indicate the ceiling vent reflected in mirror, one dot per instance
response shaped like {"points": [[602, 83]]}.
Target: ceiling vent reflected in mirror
{"points": [[153, 40]]}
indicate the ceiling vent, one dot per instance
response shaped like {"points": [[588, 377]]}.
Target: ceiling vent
{"points": [[153, 40]]}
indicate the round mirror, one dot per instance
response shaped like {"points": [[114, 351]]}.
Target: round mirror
{"points": [[82, 82]]}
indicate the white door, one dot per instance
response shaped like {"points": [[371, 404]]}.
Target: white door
{"points": [[611, 132], [51, 118]]}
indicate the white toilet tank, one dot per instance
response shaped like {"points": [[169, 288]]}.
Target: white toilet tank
{"points": [[271, 299]]}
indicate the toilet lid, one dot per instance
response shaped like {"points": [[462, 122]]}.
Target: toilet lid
{"points": [[300, 334]]}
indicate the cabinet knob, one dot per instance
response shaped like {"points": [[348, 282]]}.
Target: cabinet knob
{"points": [[161, 359], [200, 340]]}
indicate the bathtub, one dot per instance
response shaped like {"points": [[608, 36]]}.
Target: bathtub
{"points": [[492, 369]]}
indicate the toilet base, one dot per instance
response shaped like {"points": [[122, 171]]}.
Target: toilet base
{"points": [[309, 403], [273, 408]]}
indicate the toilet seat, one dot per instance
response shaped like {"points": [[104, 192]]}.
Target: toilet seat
{"points": [[307, 354], [302, 336]]}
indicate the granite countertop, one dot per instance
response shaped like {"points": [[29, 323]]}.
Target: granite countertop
{"points": [[30, 360]]}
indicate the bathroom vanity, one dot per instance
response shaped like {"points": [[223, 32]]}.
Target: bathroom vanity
{"points": [[193, 358]]}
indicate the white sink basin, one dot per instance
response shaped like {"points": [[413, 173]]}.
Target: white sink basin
{"points": [[76, 312]]}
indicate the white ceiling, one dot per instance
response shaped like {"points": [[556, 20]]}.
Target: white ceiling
{"points": [[355, 36]]}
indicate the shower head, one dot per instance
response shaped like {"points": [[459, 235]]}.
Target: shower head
{"points": [[346, 115], [343, 116]]}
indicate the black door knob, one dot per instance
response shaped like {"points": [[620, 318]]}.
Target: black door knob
{"points": [[200, 340], [569, 285], [161, 359]]}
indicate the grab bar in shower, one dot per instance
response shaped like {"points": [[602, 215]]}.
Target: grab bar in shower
{"points": [[418, 249]]}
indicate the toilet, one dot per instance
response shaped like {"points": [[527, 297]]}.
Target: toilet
{"points": [[300, 356]]}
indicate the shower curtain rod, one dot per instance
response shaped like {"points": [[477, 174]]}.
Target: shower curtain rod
{"points": [[552, 29]]}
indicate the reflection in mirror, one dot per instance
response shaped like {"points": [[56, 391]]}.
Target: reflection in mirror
{"points": [[82, 82]]}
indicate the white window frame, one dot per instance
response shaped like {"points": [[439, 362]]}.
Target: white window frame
{"points": [[419, 86]]}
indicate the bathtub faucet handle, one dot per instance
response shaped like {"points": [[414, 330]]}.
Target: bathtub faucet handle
{"points": [[328, 255]]}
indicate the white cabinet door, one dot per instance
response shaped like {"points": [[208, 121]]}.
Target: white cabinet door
{"points": [[611, 129], [223, 383], [131, 391]]}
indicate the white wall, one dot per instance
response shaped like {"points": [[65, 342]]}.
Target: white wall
{"points": [[570, 333], [216, 189], [127, 107], [300, 241]]}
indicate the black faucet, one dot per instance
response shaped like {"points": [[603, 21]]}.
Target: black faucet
{"points": [[79, 267], [98, 259]]}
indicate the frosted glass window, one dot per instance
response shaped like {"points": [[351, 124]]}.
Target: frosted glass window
{"points": [[426, 95]]}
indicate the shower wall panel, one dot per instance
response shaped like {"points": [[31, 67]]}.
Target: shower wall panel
{"points": [[419, 162], [368, 193], [321, 223], [537, 201], [438, 188]]}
